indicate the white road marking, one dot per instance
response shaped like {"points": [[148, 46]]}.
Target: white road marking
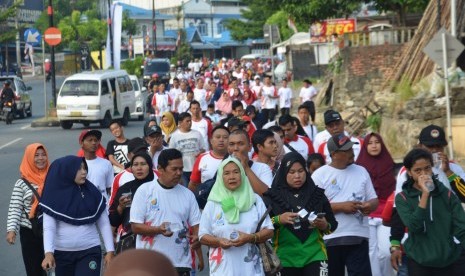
{"points": [[11, 143], [26, 126]]}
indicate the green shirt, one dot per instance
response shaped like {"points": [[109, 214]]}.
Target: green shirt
{"points": [[293, 253]]}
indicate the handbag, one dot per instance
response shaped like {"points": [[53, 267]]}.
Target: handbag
{"points": [[36, 221], [125, 243], [271, 262]]}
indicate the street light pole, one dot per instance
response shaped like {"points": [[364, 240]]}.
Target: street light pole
{"points": [[154, 30], [111, 34], [52, 55]]}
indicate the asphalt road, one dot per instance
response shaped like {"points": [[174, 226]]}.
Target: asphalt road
{"points": [[14, 138]]}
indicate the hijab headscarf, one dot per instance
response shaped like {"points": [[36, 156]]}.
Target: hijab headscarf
{"points": [[31, 173], [167, 130], [224, 105], [251, 99], [282, 198], [232, 202], [67, 201], [380, 167]]}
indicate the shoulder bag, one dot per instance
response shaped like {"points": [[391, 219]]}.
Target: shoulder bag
{"points": [[271, 263], [36, 221]]}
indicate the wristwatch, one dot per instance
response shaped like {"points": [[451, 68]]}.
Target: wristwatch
{"points": [[394, 248]]}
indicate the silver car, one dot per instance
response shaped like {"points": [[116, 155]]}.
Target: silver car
{"points": [[23, 100], [141, 95]]}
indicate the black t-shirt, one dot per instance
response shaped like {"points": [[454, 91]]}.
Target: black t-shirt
{"points": [[119, 151]]}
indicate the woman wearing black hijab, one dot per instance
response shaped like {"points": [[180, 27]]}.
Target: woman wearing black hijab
{"points": [[300, 249], [73, 210], [142, 169]]}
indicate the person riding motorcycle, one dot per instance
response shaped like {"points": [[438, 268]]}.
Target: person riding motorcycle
{"points": [[7, 94]]}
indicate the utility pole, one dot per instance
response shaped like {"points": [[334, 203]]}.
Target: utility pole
{"points": [[154, 30], [110, 30], [52, 55]]}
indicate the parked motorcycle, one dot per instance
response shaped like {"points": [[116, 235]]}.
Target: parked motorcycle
{"points": [[7, 112]]}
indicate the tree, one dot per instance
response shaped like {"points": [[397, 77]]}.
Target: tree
{"points": [[183, 50], [254, 17], [7, 34], [280, 18], [401, 7], [129, 24]]}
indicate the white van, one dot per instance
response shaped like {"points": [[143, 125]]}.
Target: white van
{"points": [[95, 97]]}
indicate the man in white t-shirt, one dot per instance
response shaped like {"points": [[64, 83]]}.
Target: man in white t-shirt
{"points": [[256, 87], [175, 94], [100, 171], [350, 191], [189, 142], [307, 124], [259, 174], [163, 211], [199, 123], [200, 95], [307, 92], [334, 126], [285, 98], [269, 94]]}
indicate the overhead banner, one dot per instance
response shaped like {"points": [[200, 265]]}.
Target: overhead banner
{"points": [[322, 32]]}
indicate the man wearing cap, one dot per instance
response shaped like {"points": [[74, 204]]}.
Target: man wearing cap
{"points": [[154, 138], [350, 191], [100, 171], [334, 125]]}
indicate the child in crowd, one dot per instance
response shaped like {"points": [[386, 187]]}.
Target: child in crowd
{"points": [[314, 162]]}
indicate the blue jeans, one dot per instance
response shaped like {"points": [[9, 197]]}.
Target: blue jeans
{"points": [[403, 269]]}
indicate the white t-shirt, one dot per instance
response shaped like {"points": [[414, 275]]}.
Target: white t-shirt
{"points": [[184, 106], [351, 183], [311, 131], [155, 157], [285, 97], [267, 101], [100, 174], [320, 138], [244, 260], [189, 144], [402, 177], [205, 167], [303, 145], [263, 172], [200, 95], [162, 101], [203, 126], [176, 95], [153, 205], [307, 93]]}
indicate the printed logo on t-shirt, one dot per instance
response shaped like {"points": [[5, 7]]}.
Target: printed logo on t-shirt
{"points": [[182, 239], [154, 205], [120, 154], [219, 219], [253, 256], [93, 265], [324, 268]]}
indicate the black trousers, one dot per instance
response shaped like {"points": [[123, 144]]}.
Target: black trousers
{"points": [[269, 114], [319, 268], [416, 269], [285, 111], [76, 263], [354, 257], [32, 249]]}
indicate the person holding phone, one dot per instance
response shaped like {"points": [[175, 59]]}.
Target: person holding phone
{"points": [[142, 169], [298, 238]]}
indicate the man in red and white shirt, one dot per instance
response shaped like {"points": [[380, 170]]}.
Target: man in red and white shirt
{"points": [[334, 125], [161, 101], [207, 164], [293, 142], [199, 123], [256, 87]]}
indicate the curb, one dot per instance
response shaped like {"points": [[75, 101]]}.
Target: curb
{"points": [[46, 122]]}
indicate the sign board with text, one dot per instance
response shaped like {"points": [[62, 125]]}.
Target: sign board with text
{"points": [[321, 32], [138, 46]]}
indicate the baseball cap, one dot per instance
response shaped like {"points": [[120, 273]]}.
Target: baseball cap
{"points": [[331, 116], [256, 77], [136, 144], [235, 121], [152, 130], [87, 132], [433, 135], [339, 142]]}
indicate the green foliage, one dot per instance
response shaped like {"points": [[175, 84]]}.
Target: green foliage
{"points": [[280, 18], [374, 122], [335, 64], [133, 66], [7, 34], [401, 7], [129, 24], [404, 90], [183, 51], [254, 17]]}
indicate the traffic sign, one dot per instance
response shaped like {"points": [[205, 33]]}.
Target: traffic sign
{"points": [[52, 36], [32, 37], [435, 52]]}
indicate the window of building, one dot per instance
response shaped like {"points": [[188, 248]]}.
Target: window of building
{"points": [[203, 28], [220, 27]]}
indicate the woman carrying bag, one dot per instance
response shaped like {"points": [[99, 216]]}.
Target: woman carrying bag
{"points": [[22, 213]]}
